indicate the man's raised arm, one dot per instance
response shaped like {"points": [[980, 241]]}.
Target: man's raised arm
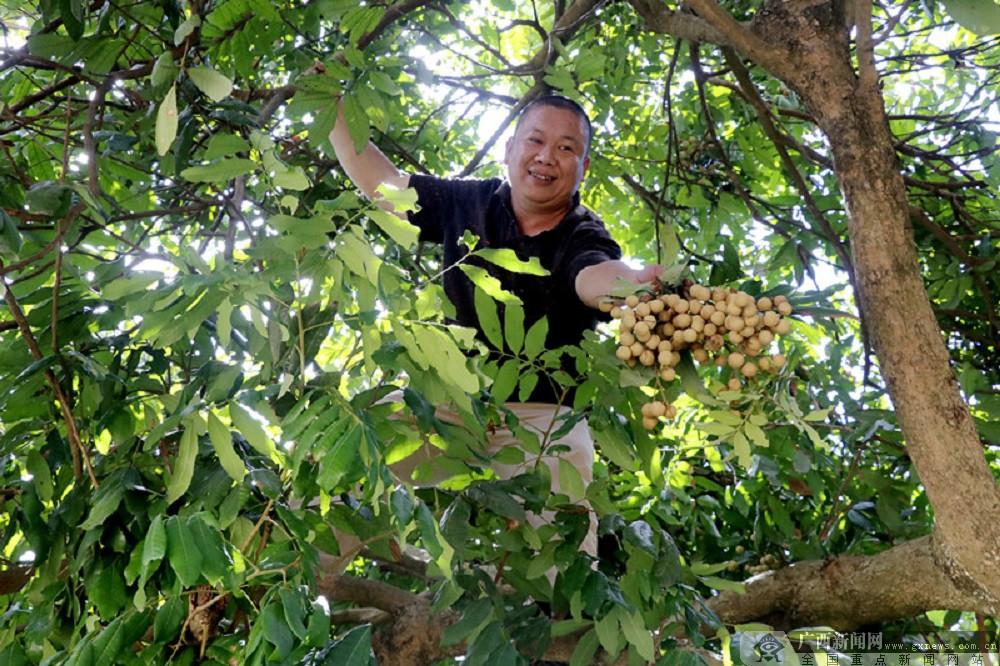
{"points": [[370, 168]]}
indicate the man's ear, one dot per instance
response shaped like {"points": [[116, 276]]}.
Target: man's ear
{"points": [[506, 150], [586, 164]]}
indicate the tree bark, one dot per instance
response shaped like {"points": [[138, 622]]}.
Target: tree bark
{"points": [[850, 591], [806, 44]]}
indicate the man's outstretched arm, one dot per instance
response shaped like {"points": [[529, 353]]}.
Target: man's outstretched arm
{"points": [[370, 168], [595, 282]]}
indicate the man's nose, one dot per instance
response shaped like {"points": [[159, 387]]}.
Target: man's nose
{"points": [[544, 154]]}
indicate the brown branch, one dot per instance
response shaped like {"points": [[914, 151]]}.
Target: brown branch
{"points": [[392, 14], [850, 591], [76, 445], [680, 24], [742, 38], [867, 72]]}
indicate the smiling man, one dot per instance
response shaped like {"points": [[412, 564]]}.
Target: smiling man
{"points": [[536, 212]]}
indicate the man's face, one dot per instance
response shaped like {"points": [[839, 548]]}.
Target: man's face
{"points": [[546, 158]]}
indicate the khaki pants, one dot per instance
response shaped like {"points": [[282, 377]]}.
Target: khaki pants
{"points": [[539, 418]]}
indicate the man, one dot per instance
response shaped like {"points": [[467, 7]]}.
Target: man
{"points": [[536, 212]]}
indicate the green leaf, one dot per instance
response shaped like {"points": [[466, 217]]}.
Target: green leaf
{"points": [[251, 429], [211, 82], [166, 121], [154, 547], [106, 504], [570, 481], [723, 584], [183, 470], [488, 283], [225, 144], [164, 70], [357, 122], [513, 326], [169, 619], [475, 617], [634, 629], [354, 649], [223, 322], [222, 442], [292, 179], [585, 650], [218, 172], [507, 258], [742, 448], [640, 535], [489, 320], [182, 551], [401, 199], [756, 435], [609, 632], [534, 341], [396, 228], [41, 475], [186, 28], [979, 16], [506, 380]]}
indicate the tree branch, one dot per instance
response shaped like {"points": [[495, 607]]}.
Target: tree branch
{"points": [[850, 591]]}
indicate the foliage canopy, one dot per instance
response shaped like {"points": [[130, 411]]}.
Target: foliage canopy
{"points": [[202, 317]]}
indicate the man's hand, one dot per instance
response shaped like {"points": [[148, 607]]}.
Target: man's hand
{"points": [[367, 169], [595, 282]]}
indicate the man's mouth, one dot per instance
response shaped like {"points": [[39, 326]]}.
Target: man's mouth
{"points": [[540, 176]]}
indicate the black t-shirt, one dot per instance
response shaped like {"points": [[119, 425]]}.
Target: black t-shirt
{"points": [[449, 207]]}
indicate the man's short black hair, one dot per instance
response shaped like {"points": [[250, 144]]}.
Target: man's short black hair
{"points": [[559, 102]]}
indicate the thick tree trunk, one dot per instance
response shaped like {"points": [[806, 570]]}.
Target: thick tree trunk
{"points": [[807, 45], [941, 437]]}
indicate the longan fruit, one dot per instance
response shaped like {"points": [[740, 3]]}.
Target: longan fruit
{"points": [[707, 310], [766, 337], [739, 550], [718, 317], [649, 423], [747, 331], [628, 319], [632, 300], [764, 364], [736, 360], [715, 342], [668, 374], [734, 323], [783, 327], [701, 292], [637, 348], [739, 299], [671, 412], [617, 312], [681, 306], [653, 342], [605, 306], [749, 311], [665, 346], [677, 339], [695, 305], [697, 323], [675, 358], [719, 294], [682, 320], [647, 357], [778, 300], [733, 310], [641, 331], [753, 320], [663, 358], [784, 308], [623, 353], [642, 309], [771, 318], [709, 330], [720, 361], [778, 360], [764, 303], [690, 335], [671, 300], [748, 370], [735, 337], [657, 408], [627, 339], [656, 306], [733, 384], [667, 330], [700, 355]]}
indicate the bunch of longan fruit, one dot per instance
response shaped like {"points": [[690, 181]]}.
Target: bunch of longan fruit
{"points": [[728, 326]]}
